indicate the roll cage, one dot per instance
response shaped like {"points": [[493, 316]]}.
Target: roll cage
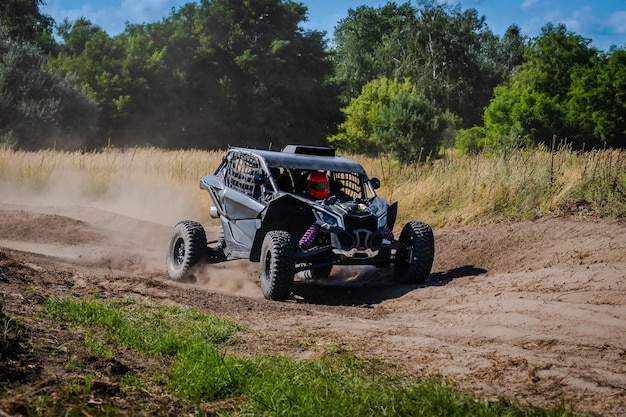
{"points": [[262, 174]]}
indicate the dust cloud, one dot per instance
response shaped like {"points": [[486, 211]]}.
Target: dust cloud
{"points": [[240, 277], [139, 196], [119, 224]]}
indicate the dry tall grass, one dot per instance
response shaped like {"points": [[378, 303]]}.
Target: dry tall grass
{"points": [[450, 191], [145, 183]]}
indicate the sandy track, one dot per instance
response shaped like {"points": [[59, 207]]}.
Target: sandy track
{"points": [[532, 311]]}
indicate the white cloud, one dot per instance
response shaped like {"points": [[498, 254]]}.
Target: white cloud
{"points": [[617, 22], [112, 16], [528, 4], [580, 19], [146, 11]]}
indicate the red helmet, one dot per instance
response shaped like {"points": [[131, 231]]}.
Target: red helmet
{"points": [[317, 185]]}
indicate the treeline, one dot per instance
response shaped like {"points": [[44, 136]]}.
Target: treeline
{"points": [[399, 78], [422, 77], [210, 74]]}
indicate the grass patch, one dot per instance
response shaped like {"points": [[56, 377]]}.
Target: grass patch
{"points": [[337, 384], [153, 330]]}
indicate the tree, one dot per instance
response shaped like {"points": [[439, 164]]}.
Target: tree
{"points": [[553, 56], [357, 39], [24, 21], [272, 76], [40, 106], [450, 54], [509, 53], [597, 101], [391, 116], [533, 104], [210, 74], [409, 127], [96, 59], [471, 141], [444, 44]]}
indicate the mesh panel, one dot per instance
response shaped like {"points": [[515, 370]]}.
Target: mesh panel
{"points": [[241, 171], [351, 184]]}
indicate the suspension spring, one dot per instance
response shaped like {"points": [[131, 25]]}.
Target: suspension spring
{"points": [[309, 236]]}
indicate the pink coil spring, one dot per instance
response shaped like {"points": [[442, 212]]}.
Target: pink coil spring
{"points": [[389, 234], [309, 236]]}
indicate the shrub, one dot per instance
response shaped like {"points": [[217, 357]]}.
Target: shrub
{"points": [[391, 117]]}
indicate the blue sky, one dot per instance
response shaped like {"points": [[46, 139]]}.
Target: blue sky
{"points": [[602, 21]]}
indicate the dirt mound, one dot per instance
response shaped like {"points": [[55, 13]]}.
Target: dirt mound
{"points": [[25, 226], [532, 311]]}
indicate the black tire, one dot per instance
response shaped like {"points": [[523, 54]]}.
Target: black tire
{"points": [[317, 274], [412, 266], [187, 247], [277, 265]]}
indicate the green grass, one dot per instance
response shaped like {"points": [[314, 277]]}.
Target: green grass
{"points": [[336, 384], [153, 330]]}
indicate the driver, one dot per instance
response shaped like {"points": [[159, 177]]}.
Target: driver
{"points": [[318, 185]]}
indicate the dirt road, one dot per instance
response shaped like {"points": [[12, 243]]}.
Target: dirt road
{"points": [[534, 311]]}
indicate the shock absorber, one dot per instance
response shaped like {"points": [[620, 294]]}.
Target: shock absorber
{"points": [[309, 236], [389, 235]]}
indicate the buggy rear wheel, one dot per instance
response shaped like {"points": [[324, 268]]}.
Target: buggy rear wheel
{"points": [[187, 247], [413, 264], [277, 265]]}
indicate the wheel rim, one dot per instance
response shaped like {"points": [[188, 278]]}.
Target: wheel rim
{"points": [[267, 266], [179, 252]]}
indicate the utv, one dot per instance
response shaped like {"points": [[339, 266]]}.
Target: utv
{"points": [[302, 210]]}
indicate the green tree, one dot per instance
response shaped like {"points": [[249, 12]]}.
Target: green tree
{"points": [[24, 21], [144, 81], [357, 39], [597, 101], [409, 127], [76, 35], [532, 106], [40, 106], [554, 55], [125, 75], [439, 53], [450, 54], [391, 116], [509, 52], [210, 74], [272, 75], [97, 61]]}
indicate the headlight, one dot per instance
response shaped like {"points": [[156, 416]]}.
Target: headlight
{"points": [[382, 221], [327, 219]]}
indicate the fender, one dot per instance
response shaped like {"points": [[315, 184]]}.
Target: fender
{"points": [[215, 187], [392, 214], [285, 213]]}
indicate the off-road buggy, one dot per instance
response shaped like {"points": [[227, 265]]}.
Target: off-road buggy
{"points": [[269, 216]]}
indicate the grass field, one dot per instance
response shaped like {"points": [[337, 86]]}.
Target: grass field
{"points": [[192, 342], [520, 185]]}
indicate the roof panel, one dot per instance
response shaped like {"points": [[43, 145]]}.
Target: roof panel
{"points": [[275, 159]]}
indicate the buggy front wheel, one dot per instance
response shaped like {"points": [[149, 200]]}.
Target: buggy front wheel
{"points": [[413, 264], [277, 265], [186, 248]]}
